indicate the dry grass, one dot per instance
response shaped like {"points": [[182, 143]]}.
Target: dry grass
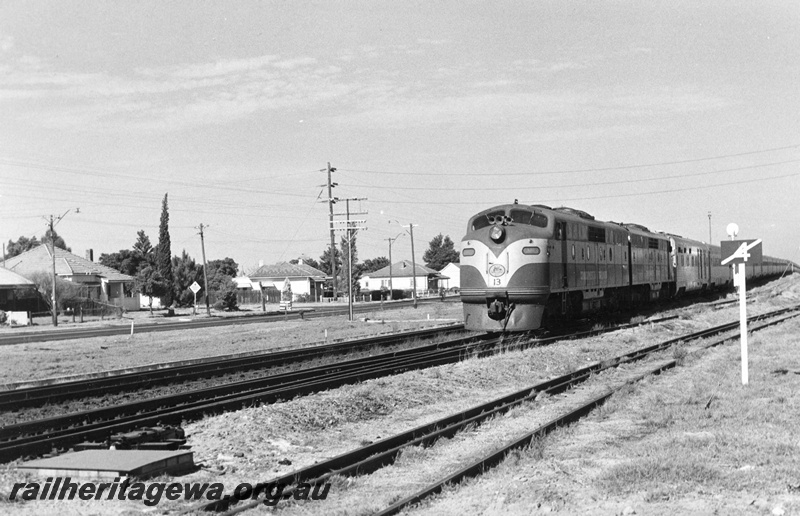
{"points": [[44, 360]]}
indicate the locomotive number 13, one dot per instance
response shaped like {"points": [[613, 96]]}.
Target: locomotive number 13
{"points": [[495, 281]]}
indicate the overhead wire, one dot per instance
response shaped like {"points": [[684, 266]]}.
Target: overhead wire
{"points": [[594, 169], [582, 185]]}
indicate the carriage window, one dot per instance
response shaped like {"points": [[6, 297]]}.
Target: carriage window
{"points": [[573, 251], [610, 254]]}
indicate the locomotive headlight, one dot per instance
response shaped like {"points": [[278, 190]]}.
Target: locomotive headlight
{"points": [[497, 233]]}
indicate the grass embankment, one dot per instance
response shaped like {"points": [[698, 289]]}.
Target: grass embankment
{"points": [[691, 441]]}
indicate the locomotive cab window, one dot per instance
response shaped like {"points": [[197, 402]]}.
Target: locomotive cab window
{"points": [[483, 220], [532, 219]]}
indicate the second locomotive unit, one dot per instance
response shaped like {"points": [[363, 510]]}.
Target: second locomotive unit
{"points": [[522, 265]]}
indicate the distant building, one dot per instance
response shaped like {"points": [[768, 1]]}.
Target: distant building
{"points": [[453, 273], [403, 278], [101, 283], [19, 294], [307, 282]]}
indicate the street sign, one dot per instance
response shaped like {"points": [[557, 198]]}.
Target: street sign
{"points": [[741, 251], [194, 287]]}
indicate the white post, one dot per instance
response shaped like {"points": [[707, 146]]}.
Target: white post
{"points": [[741, 272], [131, 327]]}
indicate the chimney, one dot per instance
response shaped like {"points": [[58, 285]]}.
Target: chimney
{"points": [[90, 255]]}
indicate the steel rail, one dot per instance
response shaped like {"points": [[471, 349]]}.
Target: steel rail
{"points": [[217, 366], [24, 337], [497, 456], [376, 455], [41, 436]]}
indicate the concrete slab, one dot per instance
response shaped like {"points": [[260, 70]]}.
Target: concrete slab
{"points": [[108, 464]]}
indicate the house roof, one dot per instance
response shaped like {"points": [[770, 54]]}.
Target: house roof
{"points": [[10, 279], [403, 269], [283, 270], [67, 264]]}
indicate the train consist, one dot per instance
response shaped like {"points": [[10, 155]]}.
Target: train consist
{"points": [[522, 266]]}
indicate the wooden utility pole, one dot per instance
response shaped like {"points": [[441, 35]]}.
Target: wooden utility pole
{"points": [[391, 241], [413, 264], [331, 202], [52, 221], [205, 269], [350, 227], [53, 252]]}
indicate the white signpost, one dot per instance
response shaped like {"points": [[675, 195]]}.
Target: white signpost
{"points": [[736, 253], [194, 287]]}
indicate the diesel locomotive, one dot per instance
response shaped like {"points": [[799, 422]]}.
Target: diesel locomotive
{"points": [[526, 265]]}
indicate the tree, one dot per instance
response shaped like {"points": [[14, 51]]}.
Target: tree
{"points": [[149, 282], [325, 261], [67, 292], [220, 282], [143, 248], [374, 264], [20, 246], [55, 239], [226, 266], [343, 272], [185, 271], [441, 251], [129, 261], [163, 255], [124, 260]]}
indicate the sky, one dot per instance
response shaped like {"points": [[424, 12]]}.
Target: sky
{"points": [[657, 113]]}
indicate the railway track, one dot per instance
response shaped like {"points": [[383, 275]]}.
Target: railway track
{"points": [[163, 374], [376, 455], [27, 336], [57, 433]]}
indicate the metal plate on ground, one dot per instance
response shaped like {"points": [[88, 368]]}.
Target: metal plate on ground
{"points": [[109, 464]]}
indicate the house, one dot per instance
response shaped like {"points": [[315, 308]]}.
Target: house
{"points": [[307, 283], [19, 294], [403, 279], [101, 283], [453, 272]]}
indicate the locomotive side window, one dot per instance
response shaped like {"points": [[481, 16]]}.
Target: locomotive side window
{"points": [[468, 251], [597, 234], [561, 230]]}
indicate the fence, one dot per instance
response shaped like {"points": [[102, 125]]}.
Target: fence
{"points": [[79, 310]]}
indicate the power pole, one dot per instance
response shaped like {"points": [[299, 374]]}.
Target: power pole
{"points": [[391, 241], [350, 227], [205, 274], [52, 222], [331, 202], [413, 264], [709, 228]]}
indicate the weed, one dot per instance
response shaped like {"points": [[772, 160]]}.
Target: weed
{"points": [[679, 352], [410, 454]]}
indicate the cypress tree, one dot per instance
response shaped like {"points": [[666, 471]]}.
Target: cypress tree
{"points": [[164, 254]]}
